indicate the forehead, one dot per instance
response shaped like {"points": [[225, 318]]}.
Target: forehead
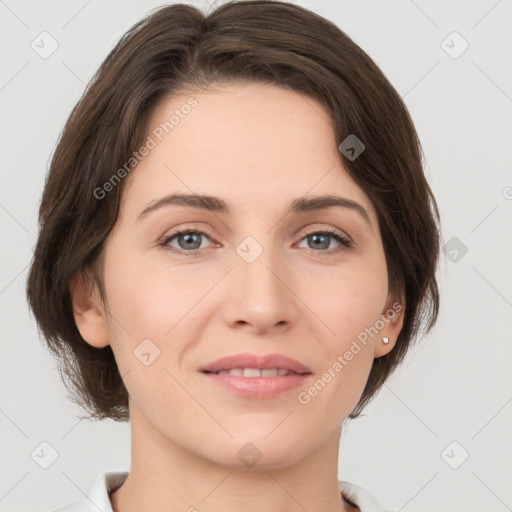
{"points": [[246, 142]]}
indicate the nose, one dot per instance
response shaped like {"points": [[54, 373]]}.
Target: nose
{"points": [[258, 295]]}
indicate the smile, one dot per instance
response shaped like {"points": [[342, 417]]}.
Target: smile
{"points": [[256, 372]]}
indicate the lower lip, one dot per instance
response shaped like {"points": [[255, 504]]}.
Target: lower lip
{"points": [[258, 387]]}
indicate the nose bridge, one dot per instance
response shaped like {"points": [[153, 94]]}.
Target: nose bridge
{"points": [[259, 296]]}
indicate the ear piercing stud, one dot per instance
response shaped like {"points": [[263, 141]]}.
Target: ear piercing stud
{"points": [[385, 339]]}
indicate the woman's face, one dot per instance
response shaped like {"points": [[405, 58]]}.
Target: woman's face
{"points": [[263, 275]]}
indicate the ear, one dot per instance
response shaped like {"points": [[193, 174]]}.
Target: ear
{"points": [[88, 312], [393, 319]]}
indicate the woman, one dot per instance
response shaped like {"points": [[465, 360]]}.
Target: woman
{"points": [[237, 247]]}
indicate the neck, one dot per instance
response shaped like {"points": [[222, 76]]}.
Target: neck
{"points": [[164, 476]]}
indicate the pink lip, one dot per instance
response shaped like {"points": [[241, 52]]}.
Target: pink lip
{"points": [[262, 362], [257, 387]]}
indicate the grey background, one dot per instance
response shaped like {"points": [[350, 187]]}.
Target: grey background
{"points": [[455, 386]]}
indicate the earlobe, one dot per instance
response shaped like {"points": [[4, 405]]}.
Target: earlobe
{"points": [[88, 312], [392, 319]]}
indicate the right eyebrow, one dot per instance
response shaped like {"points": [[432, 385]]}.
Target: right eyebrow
{"points": [[193, 200]]}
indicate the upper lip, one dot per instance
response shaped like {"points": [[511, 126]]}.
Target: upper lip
{"points": [[262, 362]]}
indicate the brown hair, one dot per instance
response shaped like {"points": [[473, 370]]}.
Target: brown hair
{"points": [[177, 48]]}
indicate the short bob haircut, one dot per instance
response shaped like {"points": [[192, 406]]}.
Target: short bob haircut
{"points": [[178, 48]]}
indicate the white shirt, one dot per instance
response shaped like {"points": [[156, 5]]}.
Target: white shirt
{"points": [[98, 499]]}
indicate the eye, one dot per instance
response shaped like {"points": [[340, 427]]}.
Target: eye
{"points": [[189, 242], [321, 240]]}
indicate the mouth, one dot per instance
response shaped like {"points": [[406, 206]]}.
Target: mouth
{"points": [[256, 372], [257, 376], [249, 364]]}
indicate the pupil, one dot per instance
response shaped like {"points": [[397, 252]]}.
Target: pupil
{"points": [[189, 238], [325, 243]]}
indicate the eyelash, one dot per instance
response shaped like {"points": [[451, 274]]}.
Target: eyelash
{"points": [[345, 243]]}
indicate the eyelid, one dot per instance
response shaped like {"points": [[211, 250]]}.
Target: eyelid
{"points": [[330, 231], [186, 229], [345, 242], [165, 240]]}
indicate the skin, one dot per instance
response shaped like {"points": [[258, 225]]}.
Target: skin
{"points": [[257, 147]]}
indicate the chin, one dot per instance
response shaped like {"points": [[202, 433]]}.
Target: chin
{"points": [[259, 452]]}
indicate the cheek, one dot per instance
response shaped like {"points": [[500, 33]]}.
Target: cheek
{"points": [[143, 307], [348, 352], [350, 302], [145, 300]]}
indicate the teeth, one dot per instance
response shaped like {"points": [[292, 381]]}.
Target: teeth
{"points": [[251, 372], [255, 372]]}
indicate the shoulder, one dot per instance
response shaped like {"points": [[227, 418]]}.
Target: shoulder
{"points": [[98, 497], [360, 497]]}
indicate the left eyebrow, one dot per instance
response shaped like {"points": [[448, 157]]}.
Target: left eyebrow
{"points": [[315, 203], [215, 204]]}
